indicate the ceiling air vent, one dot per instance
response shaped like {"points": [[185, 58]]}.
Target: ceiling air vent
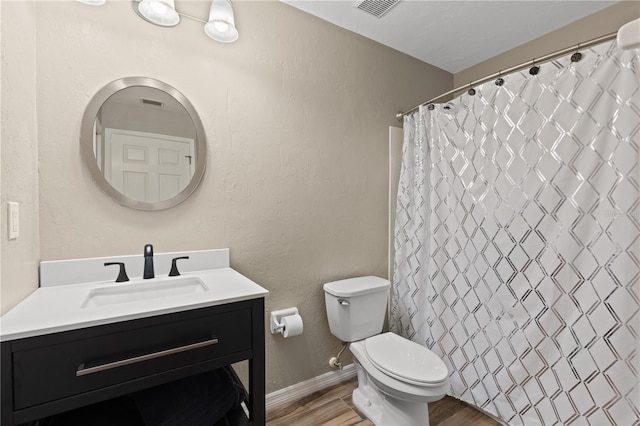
{"points": [[376, 8], [151, 102]]}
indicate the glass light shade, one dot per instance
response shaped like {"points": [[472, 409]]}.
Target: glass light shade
{"points": [[159, 12], [221, 25], [93, 2]]}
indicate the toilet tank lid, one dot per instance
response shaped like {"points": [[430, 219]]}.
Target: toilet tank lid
{"points": [[356, 286]]}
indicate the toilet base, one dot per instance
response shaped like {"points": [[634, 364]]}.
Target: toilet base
{"points": [[384, 410]]}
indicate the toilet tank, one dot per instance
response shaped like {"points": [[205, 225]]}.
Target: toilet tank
{"points": [[356, 307]]}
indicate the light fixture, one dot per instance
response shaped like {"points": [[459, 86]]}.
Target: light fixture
{"points": [[159, 12], [221, 26], [93, 2]]}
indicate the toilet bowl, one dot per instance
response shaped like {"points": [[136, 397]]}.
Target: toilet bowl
{"points": [[397, 378]]}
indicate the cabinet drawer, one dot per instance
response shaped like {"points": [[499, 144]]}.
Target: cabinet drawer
{"points": [[56, 371]]}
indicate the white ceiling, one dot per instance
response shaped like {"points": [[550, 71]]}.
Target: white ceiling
{"points": [[450, 34]]}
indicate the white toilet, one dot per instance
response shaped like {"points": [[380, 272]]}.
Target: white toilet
{"points": [[397, 378]]}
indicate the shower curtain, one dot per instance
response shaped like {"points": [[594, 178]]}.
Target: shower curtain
{"points": [[518, 241]]}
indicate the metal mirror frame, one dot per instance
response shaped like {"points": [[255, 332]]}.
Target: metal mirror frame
{"points": [[86, 143]]}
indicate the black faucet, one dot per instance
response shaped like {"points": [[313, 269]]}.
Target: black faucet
{"points": [[122, 276], [148, 262]]}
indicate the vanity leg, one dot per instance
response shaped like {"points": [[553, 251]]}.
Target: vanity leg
{"points": [[257, 366], [6, 386]]}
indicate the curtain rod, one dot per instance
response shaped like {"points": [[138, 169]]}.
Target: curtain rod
{"points": [[545, 58]]}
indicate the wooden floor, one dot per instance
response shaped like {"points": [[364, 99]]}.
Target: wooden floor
{"points": [[333, 407]]}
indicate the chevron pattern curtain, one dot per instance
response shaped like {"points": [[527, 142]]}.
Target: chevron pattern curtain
{"points": [[518, 241]]}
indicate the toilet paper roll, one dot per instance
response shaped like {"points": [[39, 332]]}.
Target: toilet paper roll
{"points": [[292, 325]]}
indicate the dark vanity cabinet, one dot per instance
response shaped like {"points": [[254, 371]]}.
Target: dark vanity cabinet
{"points": [[53, 373]]}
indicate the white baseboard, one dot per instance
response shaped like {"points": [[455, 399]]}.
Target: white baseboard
{"points": [[315, 384]]}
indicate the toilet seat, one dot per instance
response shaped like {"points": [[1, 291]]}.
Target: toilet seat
{"points": [[405, 360], [400, 389]]}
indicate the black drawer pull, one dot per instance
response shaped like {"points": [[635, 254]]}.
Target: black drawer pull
{"points": [[82, 371]]}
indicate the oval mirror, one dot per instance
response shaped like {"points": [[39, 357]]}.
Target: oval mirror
{"points": [[143, 143]]}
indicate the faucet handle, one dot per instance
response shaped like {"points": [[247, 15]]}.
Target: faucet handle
{"points": [[122, 276], [174, 266]]}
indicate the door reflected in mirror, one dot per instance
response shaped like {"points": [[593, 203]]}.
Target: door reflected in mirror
{"points": [[146, 143]]}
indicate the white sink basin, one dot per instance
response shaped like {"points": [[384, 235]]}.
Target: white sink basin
{"points": [[149, 289]]}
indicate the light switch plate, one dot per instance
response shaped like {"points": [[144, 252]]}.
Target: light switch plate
{"points": [[13, 220]]}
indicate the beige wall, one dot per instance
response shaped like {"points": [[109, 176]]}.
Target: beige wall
{"points": [[296, 115], [598, 24], [19, 140]]}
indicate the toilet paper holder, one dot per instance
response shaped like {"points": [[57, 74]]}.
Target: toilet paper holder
{"points": [[275, 324]]}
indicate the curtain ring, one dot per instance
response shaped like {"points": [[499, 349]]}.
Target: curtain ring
{"points": [[472, 91], [534, 70], [576, 57], [431, 107], [499, 81]]}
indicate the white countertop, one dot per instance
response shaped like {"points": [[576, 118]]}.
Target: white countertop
{"points": [[59, 308]]}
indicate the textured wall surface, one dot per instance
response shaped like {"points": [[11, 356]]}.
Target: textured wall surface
{"points": [[19, 139], [296, 114]]}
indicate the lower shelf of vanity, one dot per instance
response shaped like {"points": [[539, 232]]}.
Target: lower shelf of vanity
{"points": [[54, 373], [188, 401]]}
